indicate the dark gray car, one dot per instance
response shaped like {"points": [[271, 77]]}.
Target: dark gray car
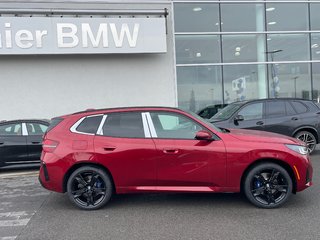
{"points": [[21, 141], [297, 118]]}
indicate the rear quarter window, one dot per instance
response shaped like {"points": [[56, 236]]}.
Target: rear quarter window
{"points": [[90, 124], [299, 107]]}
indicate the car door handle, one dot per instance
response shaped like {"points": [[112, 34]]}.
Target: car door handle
{"points": [[170, 151], [294, 118], [109, 148], [260, 123], [35, 142], [1, 143]]}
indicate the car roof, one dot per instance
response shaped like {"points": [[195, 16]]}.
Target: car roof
{"points": [[272, 99], [25, 120]]}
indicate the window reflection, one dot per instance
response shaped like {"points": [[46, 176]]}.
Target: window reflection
{"points": [[293, 80], [315, 46], [244, 82], [287, 17], [243, 48], [294, 47], [196, 17], [316, 82], [242, 17], [197, 49], [199, 87], [315, 16]]}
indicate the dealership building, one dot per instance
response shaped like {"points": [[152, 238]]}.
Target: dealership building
{"points": [[59, 57]]}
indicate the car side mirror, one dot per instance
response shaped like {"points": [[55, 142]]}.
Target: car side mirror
{"points": [[238, 118], [204, 135]]}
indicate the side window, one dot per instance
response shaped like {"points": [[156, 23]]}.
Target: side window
{"points": [[275, 109], [89, 124], [252, 111], [290, 110], [174, 126], [36, 128], [126, 125], [312, 107], [11, 130], [299, 107]]}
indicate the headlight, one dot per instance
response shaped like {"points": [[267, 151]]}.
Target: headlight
{"points": [[298, 148]]}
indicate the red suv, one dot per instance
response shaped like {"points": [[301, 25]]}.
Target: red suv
{"points": [[96, 153]]}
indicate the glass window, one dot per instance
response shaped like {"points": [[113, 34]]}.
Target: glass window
{"points": [[128, 125], [290, 80], [199, 87], [252, 111], [242, 17], [196, 17], [197, 49], [14, 129], [243, 48], [289, 109], [288, 47], [244, 81], [287, 16], [90, 124], [275, 109], [316, 82], [315, 16], [299, 107], [315, 46], [36, 128], [175, 126]]}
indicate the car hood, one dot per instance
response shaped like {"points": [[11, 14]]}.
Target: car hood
{"points": [[262, 136]]}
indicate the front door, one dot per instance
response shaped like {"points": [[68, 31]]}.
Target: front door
{"points": [[184, 163]]}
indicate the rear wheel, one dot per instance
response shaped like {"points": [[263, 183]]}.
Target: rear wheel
{"points": [[308, 138], [268, 185], [89, 187]]}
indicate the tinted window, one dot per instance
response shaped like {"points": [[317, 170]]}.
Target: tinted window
{"points": [[11, 129], [36, 128], [276, 109], [290, 110], [127, 125], [89, 124], [299, 107], [53, 123], [312, 107], [252, 111], [175, 126]]}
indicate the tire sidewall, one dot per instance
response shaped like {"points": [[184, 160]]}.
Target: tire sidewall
{"points": [[258, 168], [105, 177]]}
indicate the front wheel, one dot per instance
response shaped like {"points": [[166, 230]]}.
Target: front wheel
{"points": [[267, 185], [89, 187], [308, 138]]}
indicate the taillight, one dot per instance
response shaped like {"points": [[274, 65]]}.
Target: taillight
{"points": [[49, 145]]}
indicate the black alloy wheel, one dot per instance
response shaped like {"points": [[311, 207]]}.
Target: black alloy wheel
{"points": [[267, 185], [308, 138], [89, 187]]}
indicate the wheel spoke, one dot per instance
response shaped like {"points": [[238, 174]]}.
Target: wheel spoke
{"points": [[260, 177], [93, 180], [270, 198], [78, 193], [281, 188], [99, 191], [258, 191], [80, 179], [274, 175]]}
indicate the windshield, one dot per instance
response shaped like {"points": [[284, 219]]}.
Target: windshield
{"points": [[227, 111]]}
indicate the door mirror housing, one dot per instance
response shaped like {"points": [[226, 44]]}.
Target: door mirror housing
{"points": [[204, 135], [238, 118]]}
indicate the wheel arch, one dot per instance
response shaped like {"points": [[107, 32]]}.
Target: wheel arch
{"points": [[307, 129], [285, 165], [82, 164]]}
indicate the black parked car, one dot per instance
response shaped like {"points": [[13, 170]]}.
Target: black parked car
{"points": [[211, 110], [298, 118], [21, 141]]}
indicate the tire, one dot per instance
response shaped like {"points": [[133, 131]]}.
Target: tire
{"points": [[308, 138], [268, 185], [89, 187]]}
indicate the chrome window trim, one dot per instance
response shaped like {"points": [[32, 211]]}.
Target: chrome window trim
{"points": [[74, 126], [146, 128], [24, 129], [100, 130], [151, 126]]}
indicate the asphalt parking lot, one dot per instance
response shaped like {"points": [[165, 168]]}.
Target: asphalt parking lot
{"points": [[27, 211]]}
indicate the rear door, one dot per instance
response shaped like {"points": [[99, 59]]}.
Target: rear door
{"points": [[13, 144], [281, 117], [124, 145], [34, 139]]}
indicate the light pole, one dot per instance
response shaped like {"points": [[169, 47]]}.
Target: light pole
{"points": [[275, 83]]}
